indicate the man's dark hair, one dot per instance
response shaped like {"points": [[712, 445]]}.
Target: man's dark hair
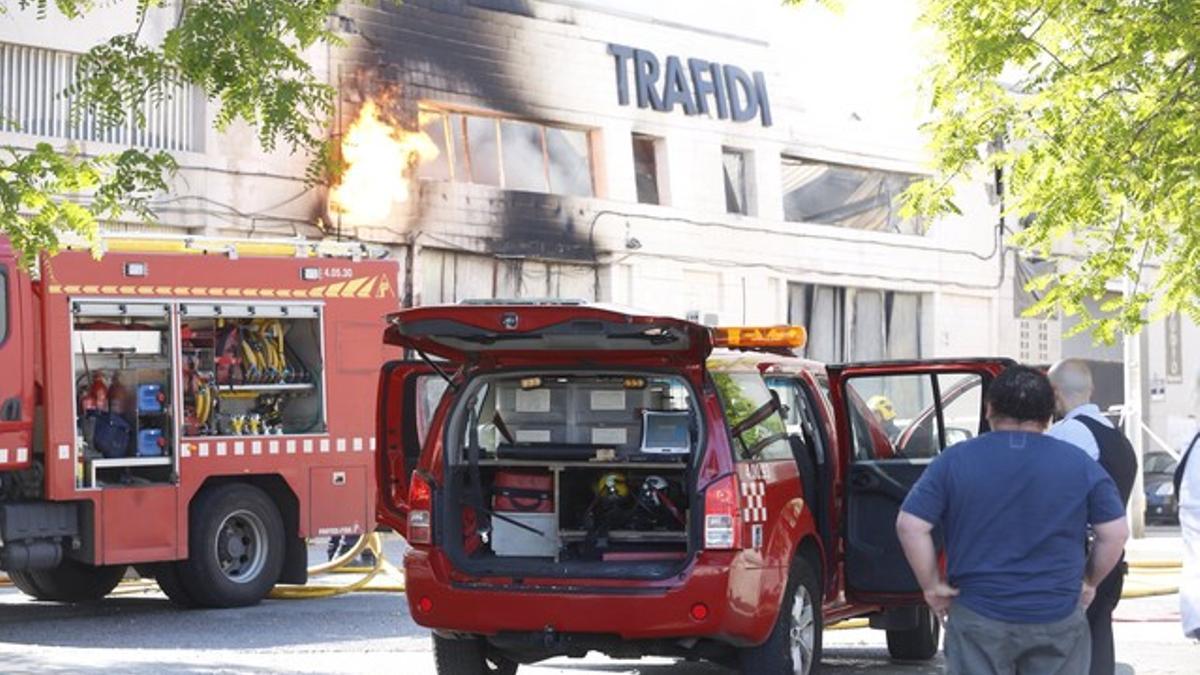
{"points": [[1023, 394]]}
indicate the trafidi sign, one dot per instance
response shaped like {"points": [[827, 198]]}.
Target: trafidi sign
{"points": [[699, 87]]}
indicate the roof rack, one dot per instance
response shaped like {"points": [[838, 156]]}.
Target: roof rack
{"points": [[529, 302], [122, 242]]}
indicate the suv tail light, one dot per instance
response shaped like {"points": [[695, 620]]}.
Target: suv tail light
{"points": [[420, 510], [722, 515]]}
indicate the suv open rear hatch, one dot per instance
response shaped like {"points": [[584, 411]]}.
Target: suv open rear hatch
{"points": [[512, 333]]}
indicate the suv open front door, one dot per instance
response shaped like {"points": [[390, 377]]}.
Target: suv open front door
{"points": [[893, 419], [409, 392]]}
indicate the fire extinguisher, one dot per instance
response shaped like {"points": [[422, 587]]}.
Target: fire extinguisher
{"points": [[96, 398]]}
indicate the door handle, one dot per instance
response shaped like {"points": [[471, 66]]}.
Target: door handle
{"points": [[863, 480], [11, 410]]}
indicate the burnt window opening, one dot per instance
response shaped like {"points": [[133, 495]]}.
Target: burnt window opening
{"points": [[846, 196], [736, 190], [646, 169], [508, 153], [856, 324]]}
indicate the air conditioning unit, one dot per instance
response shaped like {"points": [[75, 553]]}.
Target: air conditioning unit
{"points": [[704, 318]]}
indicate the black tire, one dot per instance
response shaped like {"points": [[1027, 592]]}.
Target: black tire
{"points": [[236, 548], [916, 644], [469, 656], [775, 656], [72, 581], [166, 575]]}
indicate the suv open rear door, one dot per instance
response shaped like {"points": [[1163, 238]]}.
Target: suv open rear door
{"points": [[893, 419], [544, 332], [409, 393]]}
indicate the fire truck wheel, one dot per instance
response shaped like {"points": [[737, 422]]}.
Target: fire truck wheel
{"points": [[916, 644], [237, 547], [468, 656], [72, 581], [794, 645]]}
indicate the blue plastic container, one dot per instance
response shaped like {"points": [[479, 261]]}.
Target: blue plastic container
{"points": [[150, 398], [151, 443]]}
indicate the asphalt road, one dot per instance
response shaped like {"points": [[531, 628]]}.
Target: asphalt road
{"points": [[142, 633]]}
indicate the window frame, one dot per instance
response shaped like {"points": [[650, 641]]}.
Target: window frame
{"points": [[466, 173], [734, 442], [656, 151], [934, 379], [919, 224], [746, 191]]}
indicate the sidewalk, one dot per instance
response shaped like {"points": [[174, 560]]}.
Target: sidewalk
{"points": [[1148, 634]]}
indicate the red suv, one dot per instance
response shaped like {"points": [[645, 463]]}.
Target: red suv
{"points": [[574, 478]]}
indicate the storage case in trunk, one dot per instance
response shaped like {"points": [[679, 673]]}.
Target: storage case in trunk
{"points": [[523, 492], [509, 539]]}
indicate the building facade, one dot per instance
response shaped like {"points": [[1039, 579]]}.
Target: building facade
{"points": [[735, 163]]}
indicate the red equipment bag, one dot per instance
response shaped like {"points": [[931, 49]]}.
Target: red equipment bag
{"points": [[523, 492], [228, 350]]}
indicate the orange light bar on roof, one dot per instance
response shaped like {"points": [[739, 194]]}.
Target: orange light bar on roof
{"points": [[750, 337]]}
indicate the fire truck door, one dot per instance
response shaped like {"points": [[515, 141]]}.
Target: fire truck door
{"points": [[893, 421], [16, 386], [409, 392]]}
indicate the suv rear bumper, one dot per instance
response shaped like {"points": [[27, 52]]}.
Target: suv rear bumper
{"points": [[741, 602]]}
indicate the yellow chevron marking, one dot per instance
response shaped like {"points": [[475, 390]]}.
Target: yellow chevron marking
{"points": [[353, 286], [183, 290], [55, 288], [108, 290], [162, 290], [317, 292], [333, 290], [365, 291], [91, 289]]}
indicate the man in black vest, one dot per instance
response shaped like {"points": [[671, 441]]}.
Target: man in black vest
{"points": [[1084, 426]]}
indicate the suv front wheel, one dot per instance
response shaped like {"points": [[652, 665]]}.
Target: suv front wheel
{"points": [[794, 645], [919, 643], [469, 656]]}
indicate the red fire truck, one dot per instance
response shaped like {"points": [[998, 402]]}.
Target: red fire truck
{"points": [[191, 407]]}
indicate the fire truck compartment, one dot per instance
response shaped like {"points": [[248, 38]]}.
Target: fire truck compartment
{"points": [[575, 475], [148, 373]]}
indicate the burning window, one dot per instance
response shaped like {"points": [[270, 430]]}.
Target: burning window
{"points": [[379, 156], [510, 154]]}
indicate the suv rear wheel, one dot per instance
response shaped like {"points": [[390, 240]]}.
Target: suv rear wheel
{"points": [[469, 656], [794, 645], [919, 643]]}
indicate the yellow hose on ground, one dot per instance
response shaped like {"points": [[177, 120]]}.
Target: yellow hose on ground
{"points": [[373, 541], [301, 592], [1155, 564]]}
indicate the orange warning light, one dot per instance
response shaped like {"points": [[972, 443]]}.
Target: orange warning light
{"points": [[752, 337]]}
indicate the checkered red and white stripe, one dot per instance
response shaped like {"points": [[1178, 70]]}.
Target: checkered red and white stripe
{"points": [[754, 508], [14, 455], [273, 446]]}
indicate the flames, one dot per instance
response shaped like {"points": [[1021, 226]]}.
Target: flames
{"points": [[378, 156]]}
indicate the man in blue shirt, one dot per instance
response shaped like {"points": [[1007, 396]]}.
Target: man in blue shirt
{"points": [[1014, 505]]}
